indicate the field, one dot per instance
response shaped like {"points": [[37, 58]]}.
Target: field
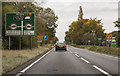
{"points": [[102, 49], [13, 58]]}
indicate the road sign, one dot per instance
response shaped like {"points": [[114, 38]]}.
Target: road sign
{"points": [[99, 39], [28, 26], [45, 37], [109, 37], [13, 26], [20, 24], [39, 38], [113, 38]]}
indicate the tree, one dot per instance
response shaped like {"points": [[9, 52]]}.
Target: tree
{"points": [[80, 15], [117, 24], [81, 31], [45, 23]]}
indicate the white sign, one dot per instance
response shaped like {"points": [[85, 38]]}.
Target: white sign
{"points": [[13, 32], [28, 32]]}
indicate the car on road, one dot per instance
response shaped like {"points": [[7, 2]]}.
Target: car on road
{"points": [[60, 46]]}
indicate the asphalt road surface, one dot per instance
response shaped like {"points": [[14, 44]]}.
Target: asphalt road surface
{"points": [[74, 61]]}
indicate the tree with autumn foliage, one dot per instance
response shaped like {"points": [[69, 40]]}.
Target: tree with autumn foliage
{"points": [[84, 30]]}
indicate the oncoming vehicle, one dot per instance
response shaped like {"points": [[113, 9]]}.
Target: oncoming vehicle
{"points": [[60, 46]]}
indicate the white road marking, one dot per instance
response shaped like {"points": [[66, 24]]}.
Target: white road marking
{"points": [[18, 74], [104, 72], [34, 62], [77, 55], [70, 51], [85, 60]]}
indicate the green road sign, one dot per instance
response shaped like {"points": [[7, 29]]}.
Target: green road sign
{"points": [[20, 24], [113, 43]]}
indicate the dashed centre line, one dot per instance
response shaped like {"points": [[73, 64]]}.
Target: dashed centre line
{"points": [[96, 67], [77, 55], [85, 60], [104, 72]]}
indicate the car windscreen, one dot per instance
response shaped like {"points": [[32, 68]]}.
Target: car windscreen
{"points": [[60, 44]]}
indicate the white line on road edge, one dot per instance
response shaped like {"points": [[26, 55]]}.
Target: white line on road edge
{"points": [[85, 60], [77, 55], [104, 72], [34, 62]]}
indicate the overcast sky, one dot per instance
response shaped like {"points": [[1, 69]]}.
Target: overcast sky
{"points": [[67, 12]]}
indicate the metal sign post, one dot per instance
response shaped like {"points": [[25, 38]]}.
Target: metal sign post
{"points": [[9, 42], [45, 38], [109, 39], [31, 42], [20, 43], [40, 39]]}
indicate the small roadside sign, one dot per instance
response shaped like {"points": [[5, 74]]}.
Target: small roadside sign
{"points": [[39, 38], [109, 37], [45, 37], [99, 39]]}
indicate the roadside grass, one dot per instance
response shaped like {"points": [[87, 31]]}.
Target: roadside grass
{"points": [[102, 49], [13, 58]]}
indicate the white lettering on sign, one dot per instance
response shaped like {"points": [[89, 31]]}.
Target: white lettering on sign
{"points": [[13, 32], [28, 32]]}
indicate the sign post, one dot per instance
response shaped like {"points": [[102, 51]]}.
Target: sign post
{"points": [[39, 39], [109, 38], [20, 24], [45, 38], [9, 42], [31, 42]]}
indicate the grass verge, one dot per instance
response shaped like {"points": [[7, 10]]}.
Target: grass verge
{"points": [[13, 58], [102, 49]]}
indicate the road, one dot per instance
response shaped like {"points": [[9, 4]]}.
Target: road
{"points": [[74, 61]]}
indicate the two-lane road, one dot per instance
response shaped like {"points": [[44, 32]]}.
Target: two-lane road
{"points": [[75, 61]]}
